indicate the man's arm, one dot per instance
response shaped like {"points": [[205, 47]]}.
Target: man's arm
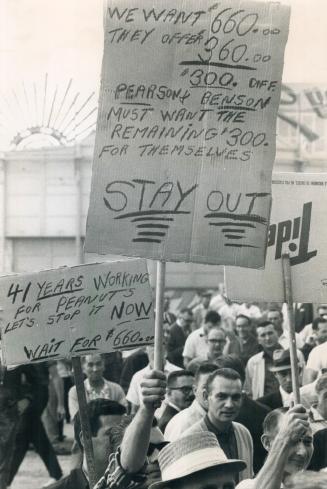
{"points": [[294, 426], [136, 439]]}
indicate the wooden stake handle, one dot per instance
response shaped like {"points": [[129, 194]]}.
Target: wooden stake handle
{"points": [[158, 327], [84, 418], [288, 295]]}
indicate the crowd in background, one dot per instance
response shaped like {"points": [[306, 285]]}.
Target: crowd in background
{"points": [[225, 391]]}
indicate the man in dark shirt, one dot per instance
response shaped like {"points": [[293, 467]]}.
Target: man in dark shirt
{"points": [[179, 331], [179, 395], [100, 413], [248, 342]]}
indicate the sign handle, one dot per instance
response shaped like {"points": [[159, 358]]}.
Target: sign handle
{"points": [[158, 325], [84, 418], [288, 296]]}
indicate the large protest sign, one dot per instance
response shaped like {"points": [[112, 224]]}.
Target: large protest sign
{"points": [[75, 311], [298, 227], [186, 130]]}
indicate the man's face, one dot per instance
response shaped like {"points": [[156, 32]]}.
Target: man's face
{"points": [[101, 447], [284, 378], [181, 394], [206, 300], [322, 333], [276, 319], [243, 328], [216, 341], [224, 399], [267, 337], [93, 367], [185, 319], [300, 453], [322, 403], [198, 389], [213, 478], [322, 311], [166, 332]]}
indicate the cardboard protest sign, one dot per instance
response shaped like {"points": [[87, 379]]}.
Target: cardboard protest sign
{"points": [[298, 223], [186, 130], [74, 311]]}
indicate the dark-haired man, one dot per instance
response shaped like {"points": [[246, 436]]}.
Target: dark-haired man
{"points": [[178, 333], [259, 380], [200, 311], [196, 345], [102, 413], [249, 345], [223, 396], [197, 410], [192, 462], [179, 395]]}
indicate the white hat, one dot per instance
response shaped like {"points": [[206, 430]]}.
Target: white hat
{"points": [[192, 454]]}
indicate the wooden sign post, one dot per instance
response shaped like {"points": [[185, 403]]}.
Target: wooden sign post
{"points": [[84, 418], [288, 295], [158, 329]]}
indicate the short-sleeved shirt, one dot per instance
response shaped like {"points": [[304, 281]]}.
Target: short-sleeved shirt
{"points": [[195, 345], [110, 390], [134, 394], [317, 359]]}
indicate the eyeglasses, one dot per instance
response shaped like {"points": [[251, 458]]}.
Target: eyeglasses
{"points": [[216, 341], [185, 389]]}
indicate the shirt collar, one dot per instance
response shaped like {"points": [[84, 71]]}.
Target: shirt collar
{"points": [[286, 398], [215, 430], [171, 404], [315, 415]]}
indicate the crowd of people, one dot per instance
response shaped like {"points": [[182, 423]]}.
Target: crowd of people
{"points": [[221, 413]]}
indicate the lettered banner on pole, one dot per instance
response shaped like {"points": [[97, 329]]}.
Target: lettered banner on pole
{"points": [[298, 227], [186, 130], [74, 311]]}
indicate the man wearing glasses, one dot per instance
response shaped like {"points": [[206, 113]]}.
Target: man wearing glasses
{"points": [[216, 341], [179, 395]]}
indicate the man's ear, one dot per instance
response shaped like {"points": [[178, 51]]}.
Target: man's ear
{"points": [[205, 396], [265, 440]]}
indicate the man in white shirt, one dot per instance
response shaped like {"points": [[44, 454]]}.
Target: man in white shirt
{"points": [[275, 316], [317, 361], [200, 311], [95, 384], [189, 416], [134, 394], [318, 412], [307, 331], [196, 344]]}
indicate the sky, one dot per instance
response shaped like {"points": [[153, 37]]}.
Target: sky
{"points": [[64, 38]]}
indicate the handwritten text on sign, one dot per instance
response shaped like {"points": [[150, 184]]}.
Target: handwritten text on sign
{"points": [[298, 224], [186, 131], [74, 311]]}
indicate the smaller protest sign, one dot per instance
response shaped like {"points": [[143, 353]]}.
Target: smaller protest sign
{"points": [[297, 226], [67, 312]]}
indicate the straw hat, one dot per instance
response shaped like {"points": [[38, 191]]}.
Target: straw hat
{"points": [[192, 454]]}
